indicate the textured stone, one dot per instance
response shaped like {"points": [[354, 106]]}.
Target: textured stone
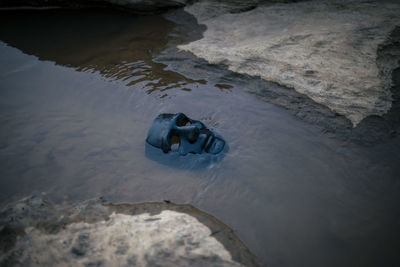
{"points": [[168, 238], [35, 233], [326, 50]]}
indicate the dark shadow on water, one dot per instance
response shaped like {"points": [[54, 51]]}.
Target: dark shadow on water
{"points": [[188, 162], [119, 46]]}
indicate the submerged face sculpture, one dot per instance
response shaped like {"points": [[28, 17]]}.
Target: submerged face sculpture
{"points": [[179, 133]]}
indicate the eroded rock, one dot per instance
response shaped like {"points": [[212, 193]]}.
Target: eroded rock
{"points": [[326, 50], [35, 233]]}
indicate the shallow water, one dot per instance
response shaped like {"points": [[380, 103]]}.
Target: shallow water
{"points": [[79, 91]]}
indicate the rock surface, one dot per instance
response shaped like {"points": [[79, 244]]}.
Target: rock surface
{"points": [[327, 50], [35, 233]]}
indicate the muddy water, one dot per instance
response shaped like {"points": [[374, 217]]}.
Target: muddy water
{"points": [[79, 90]]}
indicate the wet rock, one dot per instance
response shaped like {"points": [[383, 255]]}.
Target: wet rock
{"points": [[327, 50], [97, 233], [371, 130]]}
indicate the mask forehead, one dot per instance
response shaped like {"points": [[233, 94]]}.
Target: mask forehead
{"points": [[160, 129]]}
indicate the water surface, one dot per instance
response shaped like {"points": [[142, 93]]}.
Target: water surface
{"points": [[79, 90]]}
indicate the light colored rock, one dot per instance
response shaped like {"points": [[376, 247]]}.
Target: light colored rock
{"points": [[326, 50], [169, 238], [33, 232]]}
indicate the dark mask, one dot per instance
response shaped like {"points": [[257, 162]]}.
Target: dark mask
{"points": [[179, 133]]}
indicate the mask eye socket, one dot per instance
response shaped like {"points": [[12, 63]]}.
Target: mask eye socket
{"points": [[183, 122], [175, 142]]}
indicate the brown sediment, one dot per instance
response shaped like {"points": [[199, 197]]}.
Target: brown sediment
{"points": [[222, 86], [114, 44]]}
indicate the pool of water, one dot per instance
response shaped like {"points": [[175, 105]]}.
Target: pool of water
{"points": [[79, 91]]}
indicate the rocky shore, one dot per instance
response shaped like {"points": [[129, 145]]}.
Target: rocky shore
{"points": [[340, 54], [33, 232], [327, 50]]}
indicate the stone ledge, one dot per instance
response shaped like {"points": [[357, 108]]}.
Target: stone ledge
{"points": [[35, 232]]}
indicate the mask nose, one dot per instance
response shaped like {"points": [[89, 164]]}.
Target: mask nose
{"points": [[191, 133]]}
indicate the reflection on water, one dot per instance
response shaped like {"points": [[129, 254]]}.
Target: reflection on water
{"points": [[188, 162], [294, 196], [118, 46]]}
